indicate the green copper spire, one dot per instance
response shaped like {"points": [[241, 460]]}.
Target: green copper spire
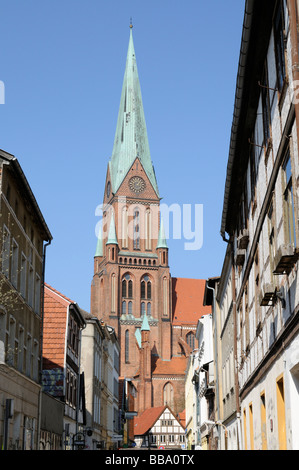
{"points": [[162, 239], [112, 239], [131, 139], [145, 324]]}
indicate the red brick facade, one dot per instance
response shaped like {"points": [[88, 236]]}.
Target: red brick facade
{"points": [[131, 277]]}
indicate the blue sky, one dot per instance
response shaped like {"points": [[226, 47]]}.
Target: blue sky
{"points": [[62, 64]]}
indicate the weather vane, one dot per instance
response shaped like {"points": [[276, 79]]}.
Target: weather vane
{"points": [[131, 25]]}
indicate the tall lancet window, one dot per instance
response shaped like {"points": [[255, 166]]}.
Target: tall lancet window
{"points": [[113, 292], [136, 230], [125, 227], [148, 235], [165, 296], [168, 395], [127, 346]]}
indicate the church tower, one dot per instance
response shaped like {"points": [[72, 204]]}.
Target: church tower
{"points": [[131, 279]]}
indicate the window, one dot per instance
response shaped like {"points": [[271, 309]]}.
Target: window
{"points": [[136, 230], [23, 274], [30, 287], [146, 288], [271, 231], [130, 308], [142, 289], [5, 251], [148, 229], [37, 294], [252, 173], [73, 334], [127, 346], [142, 308], [265, 105], [14, 263], [190, 340], [125, 227], [165, 296], [289, 209], [168, 395], [123, 308], [130, 289], [127, 287], [279, 45], [124, 288]]}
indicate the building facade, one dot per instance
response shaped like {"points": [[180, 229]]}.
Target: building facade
{"points": [[260, 224], [159, 428], [23, 238], [62, 377]]}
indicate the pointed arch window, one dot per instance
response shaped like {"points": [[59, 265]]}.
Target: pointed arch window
{"points": [[125, 227], [130, 289], [113, 292], [146, 288], [148, 229], [143, 289], [190, 339], [149, 309], [127, 345], [168, 395], [127, 287], [124, 288], [124, 308], [130, 308], [142, 308], [136, 230], [165, 296]]}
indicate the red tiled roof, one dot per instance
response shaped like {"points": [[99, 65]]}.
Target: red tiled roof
{"points": [[55, 328], [182, 418], [147, 419], [187, 301], [176, 366]]}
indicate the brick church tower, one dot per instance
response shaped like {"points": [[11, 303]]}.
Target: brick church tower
{"points": [[132, 287]]}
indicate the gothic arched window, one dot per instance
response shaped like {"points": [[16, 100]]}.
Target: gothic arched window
{"points": [[168, 395], [142, 308], [190, 339], [127, 287], [136, 230], [127, 346]]}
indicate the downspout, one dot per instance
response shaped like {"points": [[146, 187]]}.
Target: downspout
{"points": [[79, 378], [235, 349], [41, 342]]}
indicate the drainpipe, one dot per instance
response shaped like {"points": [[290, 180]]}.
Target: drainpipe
{"points": [[41, 342], [235, 349]]}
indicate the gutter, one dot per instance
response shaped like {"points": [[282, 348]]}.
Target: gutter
{"points": [[237, 107]]}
